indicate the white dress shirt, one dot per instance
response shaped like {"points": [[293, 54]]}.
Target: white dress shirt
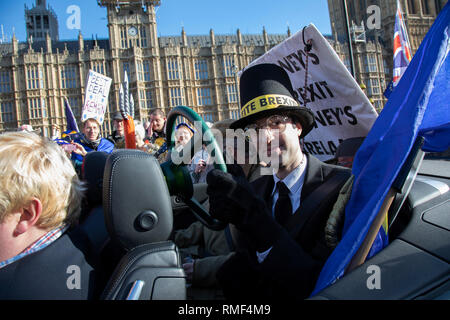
{"points": [[294, 182]]}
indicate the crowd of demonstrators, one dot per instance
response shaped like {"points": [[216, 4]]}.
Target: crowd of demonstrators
{"points": [[282, 223], [89, 139], [38, 248], [273, 246]]}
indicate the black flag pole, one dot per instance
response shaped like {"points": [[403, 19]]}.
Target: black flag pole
{"points": [[350, 47]]}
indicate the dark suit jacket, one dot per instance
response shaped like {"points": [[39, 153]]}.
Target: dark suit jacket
{"points": [[57, 272], [293, 265]]}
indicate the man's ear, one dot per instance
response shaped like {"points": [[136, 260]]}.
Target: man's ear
{"points": [[299, 128], [29, 216]]}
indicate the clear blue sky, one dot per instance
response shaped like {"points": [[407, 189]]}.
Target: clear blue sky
{"points": [[196, 16]]}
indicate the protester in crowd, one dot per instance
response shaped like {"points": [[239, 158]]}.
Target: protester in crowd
{"points": [[346, 151], [118, 135], [89, 140], [204, 250], [146, 127], [200, 166], [183, 133], [238, 149], [283, 215], [41, 257], [141, 144], [156, 134]]}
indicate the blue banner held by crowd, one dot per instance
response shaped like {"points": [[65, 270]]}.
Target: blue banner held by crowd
{"points": [[419, 106], [71, 122]]}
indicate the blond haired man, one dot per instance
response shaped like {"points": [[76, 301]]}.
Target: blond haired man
{"points": [[40, 198]]}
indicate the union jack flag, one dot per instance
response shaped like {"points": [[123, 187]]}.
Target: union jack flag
{"points": [[402, 50]]}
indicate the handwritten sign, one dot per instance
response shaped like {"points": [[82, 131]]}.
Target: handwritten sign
{"points": [[96, 98]]}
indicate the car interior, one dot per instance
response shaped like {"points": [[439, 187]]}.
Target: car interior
{"points": [[415, 264], [130, 231]]}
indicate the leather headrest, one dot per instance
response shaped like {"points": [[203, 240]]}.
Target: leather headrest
{"points": [[136, 200], [92, 174]]}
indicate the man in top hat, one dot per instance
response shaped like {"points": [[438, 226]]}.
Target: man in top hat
{"points": [[281, 216]]}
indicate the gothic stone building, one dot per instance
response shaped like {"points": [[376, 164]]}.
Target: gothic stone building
{"points": [[373, 47], [164, 72]]}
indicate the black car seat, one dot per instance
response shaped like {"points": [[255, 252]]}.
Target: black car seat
{"points": [[91, 219], [139, 219], [101, 253]]}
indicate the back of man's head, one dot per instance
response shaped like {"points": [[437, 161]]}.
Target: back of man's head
{"points": [[35, 167]]}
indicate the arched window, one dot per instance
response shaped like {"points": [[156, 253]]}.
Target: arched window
{"points": [[412, 7], [426, 7]]}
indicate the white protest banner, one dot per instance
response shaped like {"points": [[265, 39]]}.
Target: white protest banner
{"points": [[340, 107], [96, 98]]}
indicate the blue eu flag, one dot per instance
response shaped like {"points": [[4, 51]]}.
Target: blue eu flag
{"points": [[419, 106]]}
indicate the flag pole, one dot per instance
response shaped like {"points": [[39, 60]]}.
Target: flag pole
{"points": [[350, 46], [360, 255], [401, 185]]}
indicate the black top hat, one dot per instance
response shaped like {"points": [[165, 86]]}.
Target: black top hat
{"points": [[265, 90]]}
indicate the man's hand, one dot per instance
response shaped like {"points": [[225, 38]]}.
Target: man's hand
{"points": [[150, 130], [79, 149], [233, 200], [188, 268], [229, 195]]}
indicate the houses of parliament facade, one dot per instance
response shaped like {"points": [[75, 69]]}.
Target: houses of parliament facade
{"points": [[197, 71]]}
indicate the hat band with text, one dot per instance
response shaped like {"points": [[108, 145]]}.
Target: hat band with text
{"points": [[266, 102]]}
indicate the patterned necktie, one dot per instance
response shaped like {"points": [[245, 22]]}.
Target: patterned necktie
{"points": [[283, 207]]}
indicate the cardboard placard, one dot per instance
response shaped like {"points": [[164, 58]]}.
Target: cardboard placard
{"points": [[96, 97]]}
